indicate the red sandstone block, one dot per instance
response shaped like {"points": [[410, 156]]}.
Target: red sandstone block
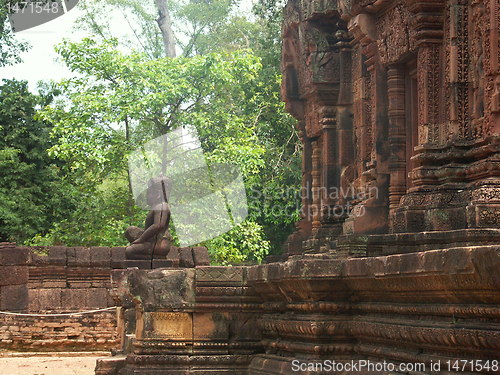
{"points": [[200, 256], [357, 268], [117, 257], [14, 256], [78, 256], [13, 275], [38, 259], [100, 256], [165, 263], [97, 298], [58, 255], [141, 264], [186, 257], [48, 299], [14, 297], [210, 326], [34, 300], [75, 299]]}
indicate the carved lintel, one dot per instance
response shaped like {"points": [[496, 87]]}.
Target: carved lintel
{"points": [[396, 37]]}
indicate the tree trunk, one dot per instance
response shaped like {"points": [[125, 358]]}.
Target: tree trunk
{"points": [[165, 25]]}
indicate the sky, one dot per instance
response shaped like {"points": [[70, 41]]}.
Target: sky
{"points": [[39, 62]]}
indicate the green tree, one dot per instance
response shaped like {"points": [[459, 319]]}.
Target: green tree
{"points": [[120, 101], [32, 192]]}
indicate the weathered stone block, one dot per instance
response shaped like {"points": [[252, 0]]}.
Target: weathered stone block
{"points": [[58, 255], [46, 299], [200, 256], [38, 259], [97, 298], [100, 256], [186, 257], [164, 263], [14, 297], [75, 299], [162, 288], [109, 366], [14, 256], [13, 275], [117, 257], [173, 256], [78, 257], [211, 326], [141, 264]]}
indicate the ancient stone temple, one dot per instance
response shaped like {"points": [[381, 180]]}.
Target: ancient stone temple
{"points": [[398, 105], [396, 259]]}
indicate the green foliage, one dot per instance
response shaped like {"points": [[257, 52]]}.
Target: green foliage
{"points": [[122, 100], [246, 242], [100, 218], [32, 191], [139, 19]]}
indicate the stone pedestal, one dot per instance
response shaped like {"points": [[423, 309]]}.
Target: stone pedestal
{"points": [[184, 321]]}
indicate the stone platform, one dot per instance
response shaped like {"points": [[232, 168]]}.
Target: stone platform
{"points": [[421, 307]]}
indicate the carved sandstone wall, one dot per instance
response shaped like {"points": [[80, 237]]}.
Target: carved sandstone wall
{"points": [[399, 101], [403, 308]]}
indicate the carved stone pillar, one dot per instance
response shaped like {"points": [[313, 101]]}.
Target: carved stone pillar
{"points": [[397, 136], [429, 86], [345, 126], [315, 211], [330, 165], [459, 69], [306, 171], [369, 213], [492, 65]]}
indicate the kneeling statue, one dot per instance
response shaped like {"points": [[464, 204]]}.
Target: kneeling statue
{"points": [[154, 241]]}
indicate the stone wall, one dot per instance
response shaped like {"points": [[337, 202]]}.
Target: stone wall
{"points": [[66, 280], [61, 280], [89, 332]]}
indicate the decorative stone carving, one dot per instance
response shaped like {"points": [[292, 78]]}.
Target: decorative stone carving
{"points": [[395, 34]]}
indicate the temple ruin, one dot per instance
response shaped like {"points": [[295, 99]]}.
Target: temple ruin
{"points": [[396, 259]]}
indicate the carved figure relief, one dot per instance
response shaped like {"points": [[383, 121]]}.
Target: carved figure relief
{"points": [[395, 35]]}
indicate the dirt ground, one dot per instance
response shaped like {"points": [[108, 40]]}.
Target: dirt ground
{"points": [[48, 365]]}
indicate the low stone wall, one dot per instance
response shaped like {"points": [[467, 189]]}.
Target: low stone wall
{"points": [[429, 307], [89, 332], [66, 280]]}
